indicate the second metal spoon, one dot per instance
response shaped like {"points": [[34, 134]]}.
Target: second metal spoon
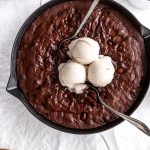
{"points": [[140, 125]]}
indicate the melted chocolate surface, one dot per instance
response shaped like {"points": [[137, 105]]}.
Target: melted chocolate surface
{"points": [[38, 61]]}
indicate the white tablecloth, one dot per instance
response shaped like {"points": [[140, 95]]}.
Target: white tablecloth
{"points": [[19, 130]]}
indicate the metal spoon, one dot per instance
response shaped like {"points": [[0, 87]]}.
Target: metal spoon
{"points": [[140, 125], [93, 6]]}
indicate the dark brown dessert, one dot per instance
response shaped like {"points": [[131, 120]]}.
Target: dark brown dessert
{"points": [[38, 61]]}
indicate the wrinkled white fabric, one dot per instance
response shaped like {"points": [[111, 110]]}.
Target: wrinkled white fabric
{"points": [[19, 130]]}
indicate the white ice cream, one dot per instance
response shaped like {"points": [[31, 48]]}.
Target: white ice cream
{"points": [[73, 76], [101, 72], [84, 50]]}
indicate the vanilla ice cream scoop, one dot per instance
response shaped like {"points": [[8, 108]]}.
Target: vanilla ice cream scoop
{"points": [[84, 50], [101, 72], [72, 75]]}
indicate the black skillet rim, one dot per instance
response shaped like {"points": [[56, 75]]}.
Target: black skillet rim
{"points": [[14, 89]]}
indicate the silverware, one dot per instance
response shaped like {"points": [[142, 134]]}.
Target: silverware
{"points": [[140, 125], [93, 6]]}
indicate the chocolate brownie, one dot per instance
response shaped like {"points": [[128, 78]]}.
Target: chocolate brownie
{"points": [[38, 60]]}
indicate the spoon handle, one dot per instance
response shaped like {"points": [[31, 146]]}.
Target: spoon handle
{"points": [[137, 123], [93, 6]]}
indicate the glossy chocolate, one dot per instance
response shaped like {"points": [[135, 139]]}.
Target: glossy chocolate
{"points": [[38, 61]]}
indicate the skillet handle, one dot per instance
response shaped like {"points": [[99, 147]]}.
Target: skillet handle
{"points": [[146, 37], [146, 34], [11, 84], [147, 45], [147, 40], [12, 88]]}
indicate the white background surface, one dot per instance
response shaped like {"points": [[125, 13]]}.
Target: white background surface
{"points": [[19, 130]]}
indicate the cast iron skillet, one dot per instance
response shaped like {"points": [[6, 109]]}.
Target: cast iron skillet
{"points": [[13, 87]]}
